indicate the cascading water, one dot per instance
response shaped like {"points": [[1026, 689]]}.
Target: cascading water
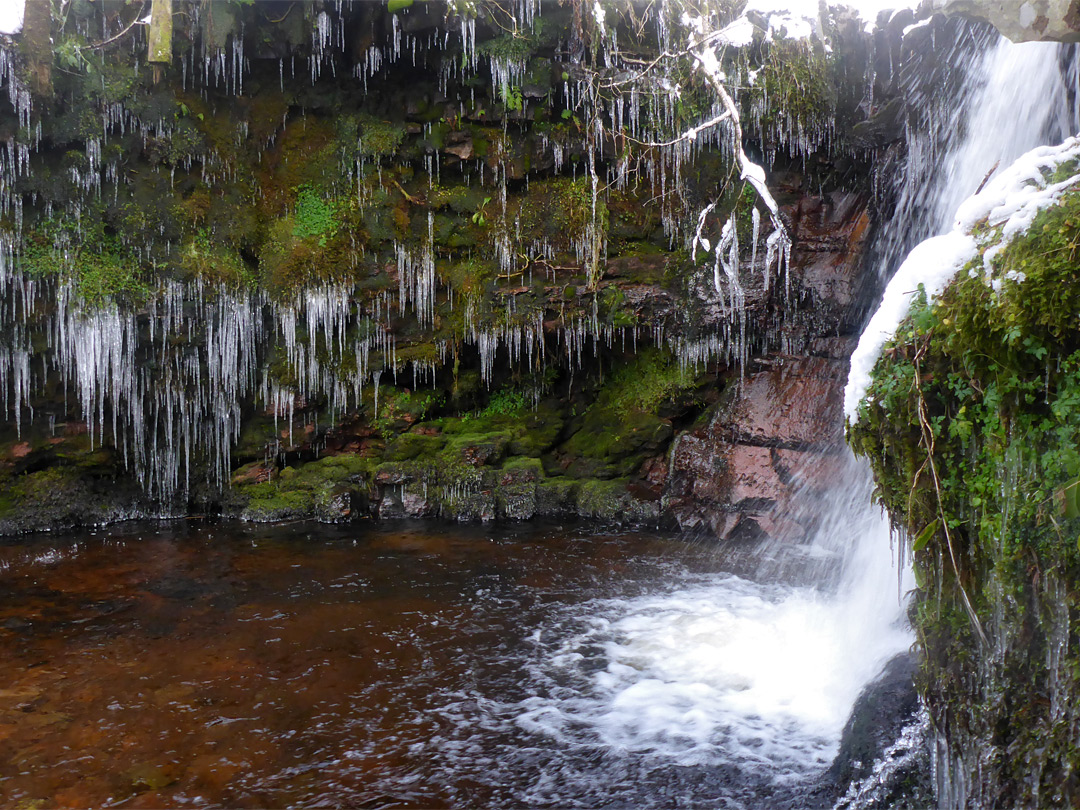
{"points": [[1011, 98], [746, 674]]}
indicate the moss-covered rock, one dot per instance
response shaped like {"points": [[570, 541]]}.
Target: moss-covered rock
{"points": [[971, 425]]}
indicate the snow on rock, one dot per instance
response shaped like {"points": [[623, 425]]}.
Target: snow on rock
{"points": [[933, 264], [1008, 205]]}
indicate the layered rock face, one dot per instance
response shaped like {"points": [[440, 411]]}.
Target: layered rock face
{"points": [[769, 448], [338, 260]]}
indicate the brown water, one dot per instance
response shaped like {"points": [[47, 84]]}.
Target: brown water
{"points": [[182, 664]]}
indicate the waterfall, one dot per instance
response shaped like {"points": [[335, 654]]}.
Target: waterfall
{"points": [[749, 673], [1011, 98], [746, 674]]}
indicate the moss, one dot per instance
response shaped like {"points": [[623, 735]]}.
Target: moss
{"points": [[525, 466], [651, 379], [377, 138], [215, 263], [412, 445], [970, 427], [306, 490], [317, 244], [796, 87], [400, 408], [281, 505], [608, 446]]}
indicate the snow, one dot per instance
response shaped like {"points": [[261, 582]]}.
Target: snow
{"points": [[933, 264], [789, 11], [738, 34], [1008, 205], [11, 16], [918, 25]]}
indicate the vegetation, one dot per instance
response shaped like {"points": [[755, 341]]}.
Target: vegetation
{"points": [[971, 426]]}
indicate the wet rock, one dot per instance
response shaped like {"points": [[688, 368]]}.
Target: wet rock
{"points": [[612, 502], [830, 237], [59, 497], [884, 759], [337, 505], [1020, 20], [416, 505], [772, 436], [254, 473]]}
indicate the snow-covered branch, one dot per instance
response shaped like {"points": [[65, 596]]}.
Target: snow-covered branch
{"points": [[778, 241]]}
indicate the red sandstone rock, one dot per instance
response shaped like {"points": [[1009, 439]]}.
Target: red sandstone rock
{"points": [[773, 441], [798, 401], [254, 474]]}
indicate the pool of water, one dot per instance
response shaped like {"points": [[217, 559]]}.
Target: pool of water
{"points": [[410, 665]]}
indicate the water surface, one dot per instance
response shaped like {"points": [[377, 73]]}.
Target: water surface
{"points": [[408, 665]]}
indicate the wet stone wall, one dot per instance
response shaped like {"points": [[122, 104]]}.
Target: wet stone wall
{"points": [[339, 259]]}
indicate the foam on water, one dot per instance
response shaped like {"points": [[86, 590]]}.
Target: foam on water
{"points": [[724, 670]]}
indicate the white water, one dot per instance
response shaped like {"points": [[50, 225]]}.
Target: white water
{"points": [[742, 671], [1015, 100], [760, 675]]}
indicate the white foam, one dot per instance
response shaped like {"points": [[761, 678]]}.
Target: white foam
{"points": [[725, 670]]}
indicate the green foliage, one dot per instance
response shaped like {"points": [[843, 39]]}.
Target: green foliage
{"points": [[510, 47], [99, 267], [394, 6], [511, 98], [973, 417], [314, 216], [478, 217], [506, 402]]}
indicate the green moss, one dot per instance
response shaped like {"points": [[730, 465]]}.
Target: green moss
{"points": [[412, 445], [970, 427], [649, 380], [314, 216], [400, 408], [796, 79], [377, 138], [215, 263]]}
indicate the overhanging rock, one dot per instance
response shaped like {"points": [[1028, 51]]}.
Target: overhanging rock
{"points": [[1021, 20]]}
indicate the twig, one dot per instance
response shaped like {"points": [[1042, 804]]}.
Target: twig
{"points": [[407, 195], [110, 40], [928, 439]]}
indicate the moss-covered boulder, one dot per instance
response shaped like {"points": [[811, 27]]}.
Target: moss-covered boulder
{"points": [[971, 424]]}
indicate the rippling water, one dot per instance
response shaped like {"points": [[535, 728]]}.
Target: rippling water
{"points": [[409, 665]]}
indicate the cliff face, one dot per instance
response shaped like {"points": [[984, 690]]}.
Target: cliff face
{"points": [[343, 259], [971, 424]]}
